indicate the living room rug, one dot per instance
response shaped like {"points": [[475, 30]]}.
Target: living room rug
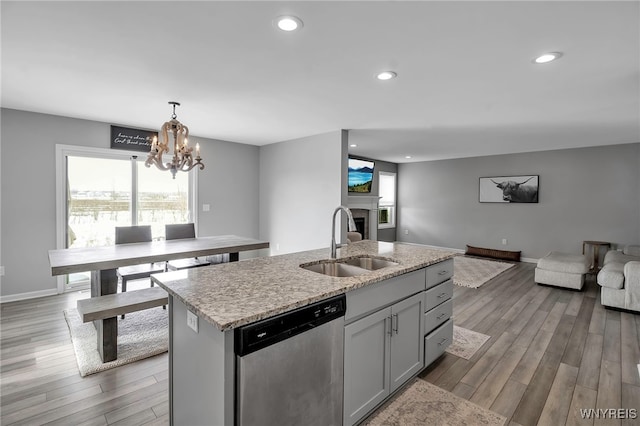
{"points": [[422, 403], [466, 342], [141, 335], [472, 272]]}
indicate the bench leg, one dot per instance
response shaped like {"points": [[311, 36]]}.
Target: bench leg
{"points": [[102, 283], [107, 332]]}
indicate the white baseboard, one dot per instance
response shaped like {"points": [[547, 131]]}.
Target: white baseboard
{"points": [[29, 295], [522, 259]]}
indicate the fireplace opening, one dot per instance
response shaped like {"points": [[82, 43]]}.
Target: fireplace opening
{"points": [[361, 218], [359, 225]]}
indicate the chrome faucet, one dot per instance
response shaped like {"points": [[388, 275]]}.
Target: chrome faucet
{"points": [[351, 227]]}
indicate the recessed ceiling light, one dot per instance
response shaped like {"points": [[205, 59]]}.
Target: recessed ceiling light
{"points": [[289, 23], [386, 75], [353, 145], [407, 157], [547, 57]]}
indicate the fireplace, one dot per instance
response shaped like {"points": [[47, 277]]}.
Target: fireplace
{"points": [[360, 217], [364, 210]]}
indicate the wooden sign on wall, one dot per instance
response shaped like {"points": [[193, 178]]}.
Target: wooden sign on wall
{"points": [[131, 139]]}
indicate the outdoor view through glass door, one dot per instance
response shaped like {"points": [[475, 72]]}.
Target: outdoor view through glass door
{"points": [[103, 193]]}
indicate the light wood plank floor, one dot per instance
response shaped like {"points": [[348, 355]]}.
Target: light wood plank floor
{"points": [[551, 353], [40, 383]]}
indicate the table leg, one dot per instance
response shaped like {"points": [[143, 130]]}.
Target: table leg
{"points": [[105, 282]]}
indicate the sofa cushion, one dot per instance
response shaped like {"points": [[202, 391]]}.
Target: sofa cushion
{"points": [[614, 256], [564, 262], [612, 275]]}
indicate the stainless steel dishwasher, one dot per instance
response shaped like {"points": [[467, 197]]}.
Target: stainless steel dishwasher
{"points": [[289, 368]]}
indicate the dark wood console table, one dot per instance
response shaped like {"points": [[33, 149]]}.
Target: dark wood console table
{"points": [[595, 253]]}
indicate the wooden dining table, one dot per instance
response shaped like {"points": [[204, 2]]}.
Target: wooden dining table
{"points": [[103, 262]]}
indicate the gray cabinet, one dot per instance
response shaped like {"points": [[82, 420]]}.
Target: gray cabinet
{"points": [[438, 326], [382, 351], [407, 349], [366, 356]]}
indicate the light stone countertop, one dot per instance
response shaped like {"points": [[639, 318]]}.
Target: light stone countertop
{"points": [[233, 294]]}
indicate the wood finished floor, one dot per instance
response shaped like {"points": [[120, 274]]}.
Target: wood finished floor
{"points": [[551, 352]]}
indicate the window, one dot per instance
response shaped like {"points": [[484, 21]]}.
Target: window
{"points": [[387, 203], [100, 189]]}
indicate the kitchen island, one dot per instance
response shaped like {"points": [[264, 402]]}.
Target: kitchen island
{"points": [[208, 304]]}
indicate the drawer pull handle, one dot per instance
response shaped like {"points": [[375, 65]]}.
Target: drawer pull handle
{"points": [[442, 315], [394, 322], [442, 272], [442, 341], [442, 295]]}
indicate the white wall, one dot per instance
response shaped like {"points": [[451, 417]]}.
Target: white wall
{"points": [[585, 194], [229, 183], [301, 183]]}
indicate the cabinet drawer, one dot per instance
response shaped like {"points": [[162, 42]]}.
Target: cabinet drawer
{"points": [[437, 315], [436, 342], [384, 293], [437, 295], [439, 272]]}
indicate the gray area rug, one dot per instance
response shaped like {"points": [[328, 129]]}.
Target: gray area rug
{"points": [[422, 403], [472, 272], [141, 335], [466, 342]]}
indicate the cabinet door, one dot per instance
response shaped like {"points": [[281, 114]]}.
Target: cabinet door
{"points": [[366, 357], [407, 347]]}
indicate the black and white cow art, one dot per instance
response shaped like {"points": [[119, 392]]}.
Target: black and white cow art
{"points": [[518, 192]]}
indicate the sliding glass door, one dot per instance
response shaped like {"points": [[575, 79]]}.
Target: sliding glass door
{"points": [[105, 191]]}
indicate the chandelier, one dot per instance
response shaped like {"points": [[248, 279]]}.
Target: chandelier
{"points": [[182, 158]]}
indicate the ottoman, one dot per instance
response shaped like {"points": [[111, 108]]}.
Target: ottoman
{"points": [[562, 270]]}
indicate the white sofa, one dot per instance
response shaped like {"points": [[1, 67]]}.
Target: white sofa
{"points": [[619, 278]]}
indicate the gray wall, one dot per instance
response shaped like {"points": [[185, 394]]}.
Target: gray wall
{"points": [[300, 186], [585, 194], [229, 183]]}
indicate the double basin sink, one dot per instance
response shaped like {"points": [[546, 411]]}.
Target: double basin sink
{"points": [[348, 267]]}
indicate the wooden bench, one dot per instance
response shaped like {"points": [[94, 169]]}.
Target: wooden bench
{"points": [[112, 305]]}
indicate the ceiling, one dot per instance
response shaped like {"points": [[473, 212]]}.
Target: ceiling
{"points": [[466, 83]]}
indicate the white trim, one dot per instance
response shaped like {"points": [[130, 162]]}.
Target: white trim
{"points": [[522, 259], [193, 196], [391, 205], [62, 151], [30, 295]]}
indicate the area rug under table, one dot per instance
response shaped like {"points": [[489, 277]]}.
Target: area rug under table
{"points": [[422, 403], [466, 342], [141, 335], [473, 272]]}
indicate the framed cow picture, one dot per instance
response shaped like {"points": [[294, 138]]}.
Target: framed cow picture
{"points": [[509, 189]]}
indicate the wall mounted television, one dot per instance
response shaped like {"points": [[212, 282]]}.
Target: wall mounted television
{"points": [[360, 175]]}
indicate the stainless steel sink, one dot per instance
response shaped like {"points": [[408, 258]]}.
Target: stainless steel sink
{"points": [[349, 267], [369, 263], [335, 269]]}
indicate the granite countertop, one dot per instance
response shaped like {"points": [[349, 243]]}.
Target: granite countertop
{"points": [[233, 294]]}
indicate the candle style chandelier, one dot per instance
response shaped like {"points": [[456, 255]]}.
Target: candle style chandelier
{"points": [[182, 158]]}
